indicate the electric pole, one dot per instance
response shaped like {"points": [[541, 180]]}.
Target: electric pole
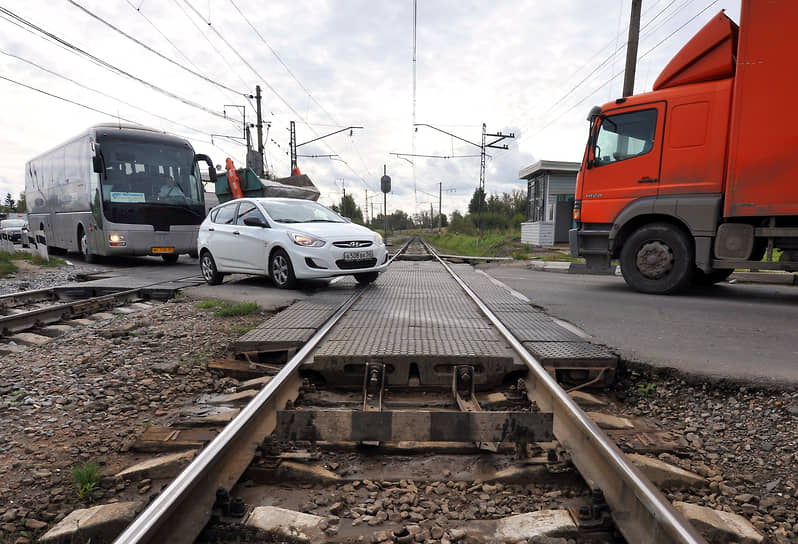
{"points": [[259, 125], [631, 49]]}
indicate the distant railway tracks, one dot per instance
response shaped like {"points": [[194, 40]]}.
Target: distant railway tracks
{"points": [[35, 311], [411, 372]]}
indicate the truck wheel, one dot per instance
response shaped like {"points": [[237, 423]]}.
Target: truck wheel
{"points": [[657, 259], [703, 279]]}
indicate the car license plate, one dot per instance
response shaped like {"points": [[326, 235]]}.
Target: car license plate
{"points": [[158, 250], [358, 255]]}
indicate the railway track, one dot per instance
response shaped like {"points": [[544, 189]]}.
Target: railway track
{"points": [[36, 312], [396, 431]]}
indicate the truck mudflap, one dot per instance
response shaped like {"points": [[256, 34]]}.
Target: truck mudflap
{"points": [[593, 245]]}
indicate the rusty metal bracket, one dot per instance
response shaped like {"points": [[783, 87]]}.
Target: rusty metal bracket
{"points": [[373, 387], [463, 391]]}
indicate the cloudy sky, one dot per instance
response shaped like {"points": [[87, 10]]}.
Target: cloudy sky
{"points": [[533, 68]]}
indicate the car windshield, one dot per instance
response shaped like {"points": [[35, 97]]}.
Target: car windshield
{"points": [[11, 223], [300, 211]]}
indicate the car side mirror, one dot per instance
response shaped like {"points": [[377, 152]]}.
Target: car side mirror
{"points": [[255, 222]]}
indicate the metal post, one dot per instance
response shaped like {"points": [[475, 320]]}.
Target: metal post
{"points": [[292, 145], [631, 49], [440, 204], [260, 128]]}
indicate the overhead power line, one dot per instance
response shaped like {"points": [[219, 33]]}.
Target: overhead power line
{"points": [[78, 51], [274, 91], [66, 99], [284, 65], [155, 52], [106, 95]]}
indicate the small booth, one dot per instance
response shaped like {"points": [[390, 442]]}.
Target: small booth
{"points": [[550, 202]]}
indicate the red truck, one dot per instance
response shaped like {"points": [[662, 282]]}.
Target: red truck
{"points": [[700, 176]]}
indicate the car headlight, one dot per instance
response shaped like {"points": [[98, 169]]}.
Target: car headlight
{"points": [[305, 240], [378, 238]]}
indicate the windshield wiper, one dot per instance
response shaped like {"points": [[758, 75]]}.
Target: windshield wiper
{"points": [[322, 221]]}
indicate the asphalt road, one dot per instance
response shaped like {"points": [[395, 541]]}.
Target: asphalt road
{"points": [[739, 331]]}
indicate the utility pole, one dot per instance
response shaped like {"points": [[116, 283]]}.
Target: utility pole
{"points": [[631, 49], [292, 146], [440, 204], [259, 125]]}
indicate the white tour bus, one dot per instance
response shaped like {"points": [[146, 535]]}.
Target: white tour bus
{"points": [[118, 189]]}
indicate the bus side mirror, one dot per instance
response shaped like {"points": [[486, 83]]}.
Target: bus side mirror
{"points": [[97, 161], [211, 168]]}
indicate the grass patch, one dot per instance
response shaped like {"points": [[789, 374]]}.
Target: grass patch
{"points": [[6, 266], [85, 479], [208, 304], [238, 309], [241, 329]]}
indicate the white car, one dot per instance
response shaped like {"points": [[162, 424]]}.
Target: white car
{"points": [[287, 240]]}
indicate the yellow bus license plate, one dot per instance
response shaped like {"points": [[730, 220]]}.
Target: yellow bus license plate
{"points": [[157, 250]]}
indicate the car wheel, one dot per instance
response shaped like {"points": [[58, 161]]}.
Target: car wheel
{"points": [[170, 259], [83, 243], [657, 259], [208, 267], [366, 278], [280, 270]]}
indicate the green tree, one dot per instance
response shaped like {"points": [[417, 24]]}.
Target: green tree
{"points": [[349, 209], [22, 204], [9, 202], [478, 203]]}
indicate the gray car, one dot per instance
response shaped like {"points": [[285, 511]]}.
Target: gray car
{"points": [[15, 230]]}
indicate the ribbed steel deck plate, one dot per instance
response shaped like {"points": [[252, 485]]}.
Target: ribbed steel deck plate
{"points": [[536, 328], [368, 346], [415, 308], [273, 335], [299, 319], [575, 353]]}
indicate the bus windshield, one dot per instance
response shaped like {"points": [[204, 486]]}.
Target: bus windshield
{"points": [[149, 172]]}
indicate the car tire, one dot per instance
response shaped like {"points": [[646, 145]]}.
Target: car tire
{"points": [[209, 271], [702, 279], [83, 247], [366, 277], [281, 271], [657, 259], [170, 259]]}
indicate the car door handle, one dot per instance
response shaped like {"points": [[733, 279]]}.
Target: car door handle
{"points": [[236, 233], [210, 230], [647, 180]]}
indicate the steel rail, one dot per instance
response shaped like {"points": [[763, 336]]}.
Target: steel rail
{"points": [[640, 510], [65, 310], [180, 512]]}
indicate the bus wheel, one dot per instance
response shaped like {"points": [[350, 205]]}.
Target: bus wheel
{"points": [[657, 259], [170, 259], [83, 242]]}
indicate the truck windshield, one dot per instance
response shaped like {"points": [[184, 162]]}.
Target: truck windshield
{"points": [[149, 172], [624, 136]]}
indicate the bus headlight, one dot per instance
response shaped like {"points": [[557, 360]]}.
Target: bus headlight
{"points": [[116, 240]]}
